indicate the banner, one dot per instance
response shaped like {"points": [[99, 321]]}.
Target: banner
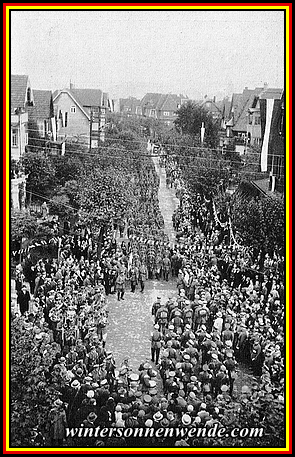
{"points": [[265, 144]]}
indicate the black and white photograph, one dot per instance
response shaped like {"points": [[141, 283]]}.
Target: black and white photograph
{"points": [[147, 243]]}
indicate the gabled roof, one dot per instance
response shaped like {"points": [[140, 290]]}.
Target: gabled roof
{"points": [[276, 94], [150, 100], [245, 102], [18, 90], [170, 103], [78, 103], [130, 102], [211, 106], [225, 108], [88, 97], [42, 108]]}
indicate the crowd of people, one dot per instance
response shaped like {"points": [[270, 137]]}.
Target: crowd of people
{"points": [[223, 313]]}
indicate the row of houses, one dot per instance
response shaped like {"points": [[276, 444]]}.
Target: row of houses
{"points": [[40, 118], [64, 114], [251, 122], [162, 107]]}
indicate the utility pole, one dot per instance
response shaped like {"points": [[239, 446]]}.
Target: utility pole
{"points": [[91, 121]]}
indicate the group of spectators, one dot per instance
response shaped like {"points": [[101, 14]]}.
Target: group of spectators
{"points": [[223, 313]]}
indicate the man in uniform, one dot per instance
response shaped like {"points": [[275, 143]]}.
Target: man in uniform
{"points": [[120, 285], [142, 276], [155, 344]]}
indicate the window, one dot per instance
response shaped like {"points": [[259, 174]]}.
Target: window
{"points": [[257, 120], [14, 138], [73, 109], [166, 113], [66, 119], [29, 95], [26, 139], [41, 128]]}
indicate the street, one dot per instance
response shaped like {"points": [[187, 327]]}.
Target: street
{"points": [[130, 321]]}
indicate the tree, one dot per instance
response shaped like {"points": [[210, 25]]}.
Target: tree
{"points": [[31, 391], [189, 121], [260, 223], [41, 173], [23, 225]]}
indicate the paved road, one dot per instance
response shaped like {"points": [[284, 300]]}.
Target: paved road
{"points": [[130, 321]]}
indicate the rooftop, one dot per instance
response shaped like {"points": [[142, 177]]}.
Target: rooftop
{"points": [[18, 89]]}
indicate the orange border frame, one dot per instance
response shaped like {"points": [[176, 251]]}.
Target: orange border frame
{"points": [[287, 7]]}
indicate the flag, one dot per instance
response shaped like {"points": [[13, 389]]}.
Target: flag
{"points": [[202, 132], [53, 128], [265, 144]]}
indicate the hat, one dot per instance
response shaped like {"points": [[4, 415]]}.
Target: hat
{"points": [[91, 417], [156, 326], [158, 416], [245, 390], [87, 379], [186, 356], [192, 395], [190, 408], [90, 394], [75, 383], [58, 402], [134, 377], [148, 423], [104, 382], [164, 422], [205, 367], [219, 314], [214, 356], [152, 384], [171, 374], [224, 388], [79, 371], [186, 419], [203, 406], [147, 398]]}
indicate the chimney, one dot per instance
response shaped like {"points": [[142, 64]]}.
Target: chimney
{"points": [[71, 85], [214, 99], [265, 86]]}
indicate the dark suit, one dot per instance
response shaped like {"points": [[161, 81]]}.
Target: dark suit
{"points": [[23, 299]]}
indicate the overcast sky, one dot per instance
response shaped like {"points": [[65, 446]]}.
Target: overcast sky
{"points": [[133, 52]]}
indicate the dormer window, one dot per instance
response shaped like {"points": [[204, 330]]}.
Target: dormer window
{"points": [[29, 97]]}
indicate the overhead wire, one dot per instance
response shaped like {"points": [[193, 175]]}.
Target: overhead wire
{"points": [[164, 144], [98, 155]]}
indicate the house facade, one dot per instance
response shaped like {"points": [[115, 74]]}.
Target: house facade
{"points": [[41, 115], [80, 115], [130, 106], [162, 107], [237, 126], [272, 112], [21, 98]]}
